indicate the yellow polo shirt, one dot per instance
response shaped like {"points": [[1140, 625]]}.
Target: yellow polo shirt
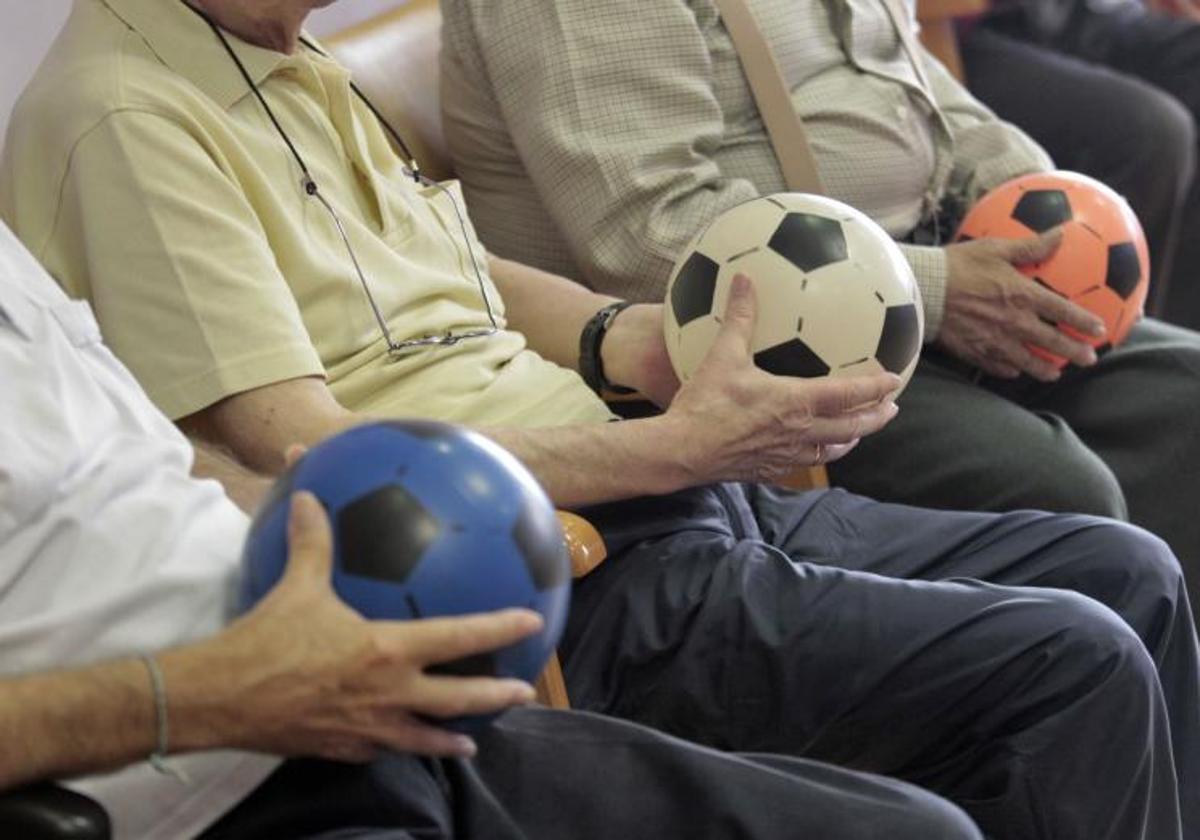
{"points": [[146, 177]]}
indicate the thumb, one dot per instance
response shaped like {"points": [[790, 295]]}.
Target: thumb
{"points": [[310, 540], [293, 454], [1035, 249], [741, 314]]}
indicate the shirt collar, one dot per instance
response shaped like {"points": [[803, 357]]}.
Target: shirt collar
{"points": [[180, 39]]}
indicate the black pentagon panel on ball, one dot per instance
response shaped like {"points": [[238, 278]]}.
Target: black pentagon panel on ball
{"points": [[384, 534], [900, 338], [792, 358], [1041, 210], [539, 539], [479, 665], [1124, 269], [809, 241], [692, 294]]}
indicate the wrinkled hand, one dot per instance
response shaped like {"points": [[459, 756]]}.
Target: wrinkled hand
{"points": [[993, 312], [303, 674], [735, 422]]}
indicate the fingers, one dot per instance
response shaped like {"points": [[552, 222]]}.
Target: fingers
{"points": [[837, 395], [1054, 340], [741, 313], [310, 540], [1034, 365], [449, 697], [406, 734], [1035, 249], [411, 735], [1058, 309], [433, 640], [293, 454], [850, 426], [832, 452]]}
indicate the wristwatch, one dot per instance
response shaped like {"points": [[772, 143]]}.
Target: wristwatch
{"points": [[591, 368]]}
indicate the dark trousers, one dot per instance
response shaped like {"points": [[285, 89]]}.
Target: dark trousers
{"points": [[1115, 95], [574, 776], [1120, 439], [971, 654]]}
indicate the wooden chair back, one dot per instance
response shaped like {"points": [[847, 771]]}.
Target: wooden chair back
{"points": [[938, 19]]}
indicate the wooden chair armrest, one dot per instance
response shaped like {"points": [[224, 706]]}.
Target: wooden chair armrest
{"points": [[583, 542], [937, 19], [587, 552]]}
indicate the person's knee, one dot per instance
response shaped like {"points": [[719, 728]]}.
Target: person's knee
{"points": [[1066, 479], [1165, 134], [1130, 569], [1099, 653], [910, 812], [929, 816]]}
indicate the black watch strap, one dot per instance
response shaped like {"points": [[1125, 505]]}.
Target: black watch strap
{"points": [[590, 341]]}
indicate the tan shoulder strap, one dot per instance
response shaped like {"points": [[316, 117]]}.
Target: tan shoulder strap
{"points": [[784, 127]]}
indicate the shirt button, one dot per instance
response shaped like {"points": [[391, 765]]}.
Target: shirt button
{"points": [[901, 112]]}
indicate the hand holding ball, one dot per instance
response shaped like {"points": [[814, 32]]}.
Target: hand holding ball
{"points": [[1103, 263], [835, 295], [428, 520]]}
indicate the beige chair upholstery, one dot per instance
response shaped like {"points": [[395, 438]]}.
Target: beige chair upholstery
{"points": [[394, 58]]}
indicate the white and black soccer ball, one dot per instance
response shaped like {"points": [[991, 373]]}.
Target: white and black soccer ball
{"points": [[835, 294]]}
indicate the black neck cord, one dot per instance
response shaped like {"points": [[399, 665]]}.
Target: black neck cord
{"points": [[310, 185]]}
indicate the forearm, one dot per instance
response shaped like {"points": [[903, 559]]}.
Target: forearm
{"points": [[75, 722], [578, 465], [259, 426], [245, 487], [583, 465], [549, 310]]}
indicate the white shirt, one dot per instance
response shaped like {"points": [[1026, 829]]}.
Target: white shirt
{"points": [[107, 546]]}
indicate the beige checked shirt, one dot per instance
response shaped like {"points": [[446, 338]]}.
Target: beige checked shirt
{"points": [[596, 137]]}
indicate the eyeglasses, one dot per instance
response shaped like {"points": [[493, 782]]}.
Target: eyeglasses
{"points": [[395, 348], [448, 339]]}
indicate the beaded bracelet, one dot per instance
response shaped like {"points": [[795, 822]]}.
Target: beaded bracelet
{"points": [[158, 758]]}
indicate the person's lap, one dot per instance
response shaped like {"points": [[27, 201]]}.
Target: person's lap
{"points": [[844, 641], [1136, 410], [545, 774], [1118, 439]]}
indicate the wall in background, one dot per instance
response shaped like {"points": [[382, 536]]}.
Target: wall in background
{"points": [[30, 25]]}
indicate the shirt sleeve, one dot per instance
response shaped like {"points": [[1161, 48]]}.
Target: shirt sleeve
{"points": [[932, 273], [987, 150], [180, 272], [618, 125]]}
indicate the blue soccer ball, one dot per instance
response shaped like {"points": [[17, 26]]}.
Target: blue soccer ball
{"points": [[428, 520]]}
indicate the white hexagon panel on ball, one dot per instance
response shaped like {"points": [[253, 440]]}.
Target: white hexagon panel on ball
{"points": [[835, 294]]}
